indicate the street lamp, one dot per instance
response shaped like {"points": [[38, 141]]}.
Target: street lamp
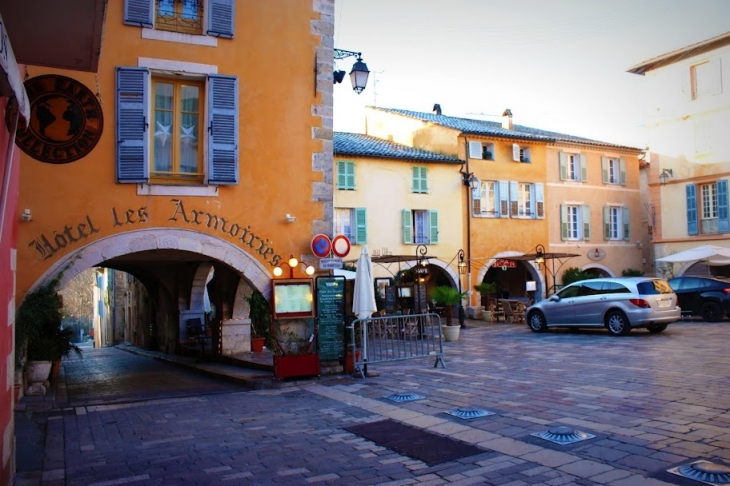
{"points": [[292, 264], [470, 180], [665, 175], [358, 74], [462, 271]]}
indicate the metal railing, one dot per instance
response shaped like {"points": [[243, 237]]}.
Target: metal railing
{"points": [[394, 338]]}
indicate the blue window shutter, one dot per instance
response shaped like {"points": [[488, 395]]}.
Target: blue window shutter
{"points": [[220, 18], [132, 124], [626, 222], [723, 224], [606, 223], [564, 230], [586, 222], [583, 168], [139, 12], [513, 199], [622, 171], [539, 200], [361, 226], [503, 199], [433, 222], [691, 191], [407, 227], [223, 129]]}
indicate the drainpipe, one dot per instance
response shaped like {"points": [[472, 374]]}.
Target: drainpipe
{"points": [[468, 223]]}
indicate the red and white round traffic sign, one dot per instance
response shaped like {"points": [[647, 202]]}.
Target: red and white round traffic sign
{"points": [[321, 245], [341, 246]]}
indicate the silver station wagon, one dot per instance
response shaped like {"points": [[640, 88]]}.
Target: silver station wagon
{"points": [[618, 304]]}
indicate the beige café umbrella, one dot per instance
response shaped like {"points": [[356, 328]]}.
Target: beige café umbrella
{"points": [[363, 298], [707, 254]]}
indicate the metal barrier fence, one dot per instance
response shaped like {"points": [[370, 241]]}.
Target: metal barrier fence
{"points": [[393, 338]]}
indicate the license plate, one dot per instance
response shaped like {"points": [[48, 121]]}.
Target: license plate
{"points": [[664, 303]]}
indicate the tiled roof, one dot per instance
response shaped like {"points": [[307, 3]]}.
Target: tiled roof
{"points": [[494, 129], [359, 145]]}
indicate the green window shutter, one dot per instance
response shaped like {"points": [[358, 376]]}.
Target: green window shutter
{"points": [[419, 179], [407, 227], [433, 221], [563, 166], [220, 18], [223, 129], [625, 220], [622, 170], [346, 175], [132, 125], [604, 169], [606, 223], [583, 168], [586, 223], [563, 222], [361, 226]]}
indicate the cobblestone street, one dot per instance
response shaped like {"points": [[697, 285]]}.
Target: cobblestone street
{"points": [[652, 401]]}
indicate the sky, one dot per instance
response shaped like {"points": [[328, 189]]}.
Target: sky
{"points": [[558, 65]]}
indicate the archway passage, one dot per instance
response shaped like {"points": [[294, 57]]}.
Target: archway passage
{"points": [[176, 269]]}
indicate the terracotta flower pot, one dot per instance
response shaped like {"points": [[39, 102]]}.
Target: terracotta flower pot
{"points": [[257, 344]]}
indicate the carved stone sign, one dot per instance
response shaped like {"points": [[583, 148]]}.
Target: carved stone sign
{"points": [[66, 120]]}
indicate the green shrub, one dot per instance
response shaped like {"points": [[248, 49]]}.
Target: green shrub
{"points": [[573, 274], [632, 272]]}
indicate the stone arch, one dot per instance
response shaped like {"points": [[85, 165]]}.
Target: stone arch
{"points": [[598, 266], [104, 249], [532, 268]]}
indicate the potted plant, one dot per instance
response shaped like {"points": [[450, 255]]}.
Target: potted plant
{"points": [[486, 289], [295, 350], [260, 315], [39, 336], [448, 297]]}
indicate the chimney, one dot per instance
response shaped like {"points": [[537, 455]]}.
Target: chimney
{"points": [[507, 120], [437, 109]]}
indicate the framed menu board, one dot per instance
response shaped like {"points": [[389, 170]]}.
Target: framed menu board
{"points": [[331, 316], [292, 297]]}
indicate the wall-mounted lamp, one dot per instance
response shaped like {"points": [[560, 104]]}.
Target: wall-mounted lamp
{"points": [[359, 73], [639, 244], [26, 216], [292, 264], [290, 218], [539, 254], [665, 175], [469, 180]]}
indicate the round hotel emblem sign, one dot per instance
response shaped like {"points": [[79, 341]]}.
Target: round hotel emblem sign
{"points": [[65, 120]]}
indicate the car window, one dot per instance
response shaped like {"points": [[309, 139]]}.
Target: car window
{"points": [[616, 288], [590, 288], [653, 287], [567, 292]]}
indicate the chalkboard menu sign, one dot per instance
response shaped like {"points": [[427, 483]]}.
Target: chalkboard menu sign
{"points": [[421, 300], [391, 294], [331, 317]]}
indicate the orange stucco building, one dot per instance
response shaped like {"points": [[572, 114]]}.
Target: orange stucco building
{"points": [[180, 158]]}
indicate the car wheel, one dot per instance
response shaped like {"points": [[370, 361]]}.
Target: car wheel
{"points": [[657, 328], [536, 321], [617, 323], [711, 312]]}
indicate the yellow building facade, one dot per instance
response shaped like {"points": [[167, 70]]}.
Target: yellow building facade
{"points": [[179, 160]]}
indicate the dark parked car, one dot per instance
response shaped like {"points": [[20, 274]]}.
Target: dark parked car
{"points": [[618, 304], [707, 297]]}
